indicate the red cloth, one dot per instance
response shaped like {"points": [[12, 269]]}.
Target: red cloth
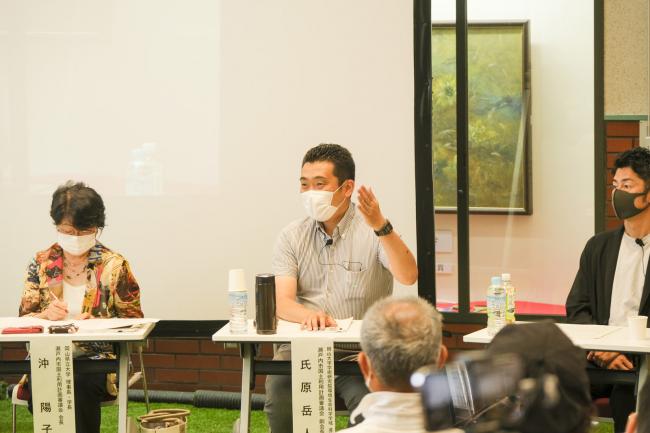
{"points": [[521, 307]]}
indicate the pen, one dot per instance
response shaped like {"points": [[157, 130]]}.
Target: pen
{"points": [[56, 298]]}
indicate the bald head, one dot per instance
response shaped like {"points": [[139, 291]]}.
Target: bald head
{"points": [[400, 335]]}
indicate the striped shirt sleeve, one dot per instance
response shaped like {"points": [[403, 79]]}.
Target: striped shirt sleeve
{"points": [[285, 261], [383, 258]]}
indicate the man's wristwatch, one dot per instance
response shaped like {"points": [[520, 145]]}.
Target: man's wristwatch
{"points": [[385, 230]]}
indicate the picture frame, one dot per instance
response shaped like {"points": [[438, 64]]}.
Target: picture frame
{"points": [[499, 78]]}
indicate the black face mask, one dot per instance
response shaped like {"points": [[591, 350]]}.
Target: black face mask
{"points": [[623, 203]]}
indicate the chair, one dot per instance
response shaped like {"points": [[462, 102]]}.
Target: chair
{"points": [[20, 395]]}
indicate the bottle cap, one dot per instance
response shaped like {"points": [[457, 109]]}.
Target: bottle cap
{"points": [[236, 280], [505, 277], [264, 280], [496, 281]]}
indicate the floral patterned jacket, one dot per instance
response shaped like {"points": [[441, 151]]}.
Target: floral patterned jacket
{"points": [[111, 291], [111, 288]]}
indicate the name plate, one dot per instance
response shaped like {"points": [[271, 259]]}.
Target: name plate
{"points": [[52, 385], [312, 381]]}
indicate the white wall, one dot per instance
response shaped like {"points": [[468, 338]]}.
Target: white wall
{"points": [[626, 57], [233, 93], [540, 251]]}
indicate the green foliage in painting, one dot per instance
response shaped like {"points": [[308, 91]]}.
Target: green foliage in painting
{"points": [[496, 101]]}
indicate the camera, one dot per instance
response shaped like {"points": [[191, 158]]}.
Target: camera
{"points": [[477, 393]]}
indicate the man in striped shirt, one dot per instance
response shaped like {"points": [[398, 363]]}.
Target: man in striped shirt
{"points": [[333, 264]]}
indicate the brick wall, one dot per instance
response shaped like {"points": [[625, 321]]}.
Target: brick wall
{"points": [[191, 364], [186, 365], [12, 352], [176, 365], [455, 342], [621, 136]]}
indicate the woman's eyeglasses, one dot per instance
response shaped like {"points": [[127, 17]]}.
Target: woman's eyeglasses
{"points": [[74, 232]]}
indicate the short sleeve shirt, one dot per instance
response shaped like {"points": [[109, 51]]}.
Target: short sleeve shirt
{"points": [[342, 275]]}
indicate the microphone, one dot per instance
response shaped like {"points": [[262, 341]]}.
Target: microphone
{"points": [[330, 241], [640, 243]]}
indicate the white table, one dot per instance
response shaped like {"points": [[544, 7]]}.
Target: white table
{"points": [[593, 337], [285, 333], [120, 336]]}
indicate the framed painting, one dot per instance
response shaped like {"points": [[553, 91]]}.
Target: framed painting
{"points": [[499, 166]]}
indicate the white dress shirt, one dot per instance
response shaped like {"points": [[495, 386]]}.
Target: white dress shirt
{"points": [[631, 266], [391, 412]]}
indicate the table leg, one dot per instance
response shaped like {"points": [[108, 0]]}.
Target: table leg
{"points": [[246, 374], [643, 377], [122, 396]]}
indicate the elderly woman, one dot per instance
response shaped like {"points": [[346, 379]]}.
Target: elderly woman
{"points": [[79, 278]]}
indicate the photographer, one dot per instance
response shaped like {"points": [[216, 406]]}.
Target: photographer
{"points": [[545, 350], [398, 336]]}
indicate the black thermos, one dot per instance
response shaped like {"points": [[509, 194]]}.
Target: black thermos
{"points": [[265, 318]]}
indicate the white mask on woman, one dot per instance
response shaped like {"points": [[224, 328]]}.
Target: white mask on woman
{"points": [[318, 204], [76, 245]]}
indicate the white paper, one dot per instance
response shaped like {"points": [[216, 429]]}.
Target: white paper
{"points": [[587, 332], [83, 325], [104, 324], [342, 325]]}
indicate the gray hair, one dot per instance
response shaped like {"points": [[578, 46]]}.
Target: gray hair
{"points": [[400, 335]]}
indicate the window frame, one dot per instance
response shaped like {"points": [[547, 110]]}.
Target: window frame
{"points": [[425, 214]]}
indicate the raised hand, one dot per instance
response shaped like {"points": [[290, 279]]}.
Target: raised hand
{"points": [[369, 207]]}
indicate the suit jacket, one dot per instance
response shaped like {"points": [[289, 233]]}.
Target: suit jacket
{"points": [[590, 297]]}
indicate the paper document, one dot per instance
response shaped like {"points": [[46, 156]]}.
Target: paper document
{"points": [[342, 325], [100, 324], [83, 325], [587, 332]]}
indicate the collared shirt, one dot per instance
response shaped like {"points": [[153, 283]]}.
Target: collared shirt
{"points": [[629, 277], [390, 412], [342, 275]]}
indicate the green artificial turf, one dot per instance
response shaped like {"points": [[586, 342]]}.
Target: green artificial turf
{"points": [[202, 420]]}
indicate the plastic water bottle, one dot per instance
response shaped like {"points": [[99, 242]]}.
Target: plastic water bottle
{"points": [[510, 298], [238, 300], [145, 174], [496, 306]]}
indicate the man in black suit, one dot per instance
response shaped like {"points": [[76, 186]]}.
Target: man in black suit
{"points": [[611, 283]]}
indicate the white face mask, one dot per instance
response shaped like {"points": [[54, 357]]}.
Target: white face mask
{"points": [[318, 204], [368, 384], [76, 245]]}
